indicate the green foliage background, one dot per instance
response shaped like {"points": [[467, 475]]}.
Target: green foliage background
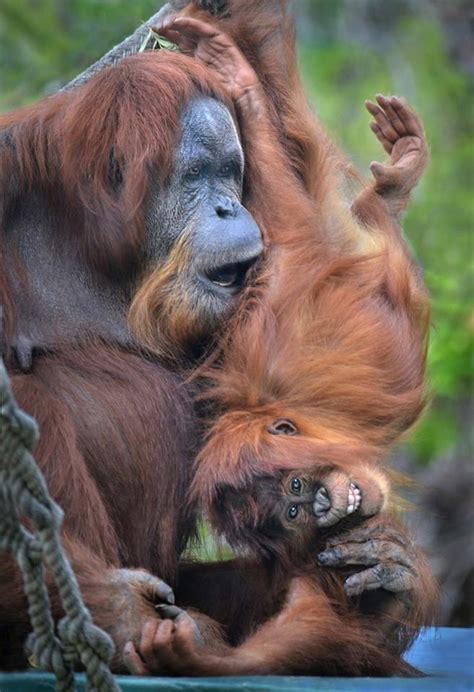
{"points": [[350, 50]]}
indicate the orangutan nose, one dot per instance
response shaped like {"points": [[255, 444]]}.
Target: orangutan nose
{"points": [[321, 503]]}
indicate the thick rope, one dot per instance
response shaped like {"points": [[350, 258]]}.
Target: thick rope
{"points": [[129, 46], [23, 493]]}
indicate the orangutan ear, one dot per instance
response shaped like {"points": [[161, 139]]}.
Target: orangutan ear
{"points": [[282, 426]]}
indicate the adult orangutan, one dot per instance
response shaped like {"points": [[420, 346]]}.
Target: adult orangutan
{"points": [[323, 370], [137, 173], [122, 205]]}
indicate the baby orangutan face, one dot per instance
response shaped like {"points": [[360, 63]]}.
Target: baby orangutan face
{"points": [[284, 514], [308, 499]]}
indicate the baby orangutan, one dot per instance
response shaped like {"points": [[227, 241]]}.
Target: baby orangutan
{"points": [[284, 517], [322, 371], [281, 519]]}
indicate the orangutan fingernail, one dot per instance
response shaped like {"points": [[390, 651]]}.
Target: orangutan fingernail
{"points": [[169, 597], [326, 557], [351, 585], [168, 612]]}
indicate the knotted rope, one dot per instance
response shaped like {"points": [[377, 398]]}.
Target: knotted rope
{"points": [[23, 493]]}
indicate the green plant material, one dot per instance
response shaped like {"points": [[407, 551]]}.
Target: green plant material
{"points": [[158, 43], [205, 547], [435, 435]]}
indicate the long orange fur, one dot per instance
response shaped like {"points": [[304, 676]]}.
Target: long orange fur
{"points": [[332, 336]]}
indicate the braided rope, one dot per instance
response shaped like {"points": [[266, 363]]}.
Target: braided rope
{"points": [[129, 46], [23, 493]]}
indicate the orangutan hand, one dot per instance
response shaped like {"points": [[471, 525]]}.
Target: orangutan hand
{"points": [[384, 548], [216, 50]]}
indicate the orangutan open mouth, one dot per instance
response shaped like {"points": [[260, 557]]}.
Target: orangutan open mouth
{"points": [[231, 276]]}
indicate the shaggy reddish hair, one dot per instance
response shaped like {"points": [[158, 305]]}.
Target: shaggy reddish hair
{"points": [[332, 337], [92, 149]]}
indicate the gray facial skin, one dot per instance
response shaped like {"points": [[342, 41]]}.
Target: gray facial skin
{"points": [[202, 201], [66, 300]]}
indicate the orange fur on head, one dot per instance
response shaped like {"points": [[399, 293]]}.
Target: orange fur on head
{"points": [[333, 335], [92, 150]]}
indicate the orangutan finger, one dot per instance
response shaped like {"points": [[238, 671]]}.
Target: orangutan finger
{"points": [[394, 578], [382, 121], [133, 661], [147, 584], [380, 172], [386, 143], [161, 653], [365, 533], [168, 612], [165, 21], [175, 644], [369, 553], [186, 624], [188, 636], [194, 29], [411, 121], [391, 114], [160, 590], [147, 639]]}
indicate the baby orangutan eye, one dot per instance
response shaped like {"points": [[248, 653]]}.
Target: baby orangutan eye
{"points": [[296, 486], [292, 512], [282, 426]]}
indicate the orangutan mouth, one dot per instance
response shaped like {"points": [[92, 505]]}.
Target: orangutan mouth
{"points": [[231, 276]]}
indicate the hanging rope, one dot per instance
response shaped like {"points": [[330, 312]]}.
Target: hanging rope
{"points": [[23, 493]]}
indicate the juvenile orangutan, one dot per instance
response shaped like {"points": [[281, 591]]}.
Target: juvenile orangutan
{"points": [[282, 519], [322, 371]]}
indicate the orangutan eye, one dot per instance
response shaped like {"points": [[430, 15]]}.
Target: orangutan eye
{"points": [[282, 426], [296, 486], [193, 172], [292, 512]]}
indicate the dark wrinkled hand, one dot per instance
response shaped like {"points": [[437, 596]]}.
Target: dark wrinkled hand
{"points": [[386, 551]]}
